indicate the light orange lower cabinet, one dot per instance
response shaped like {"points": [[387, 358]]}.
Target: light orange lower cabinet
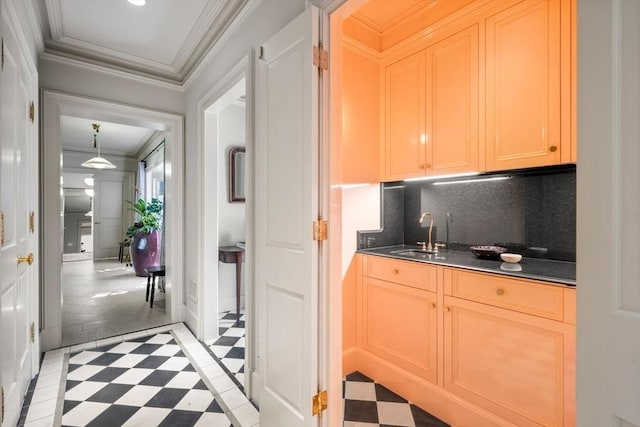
{"points": [[399, 325], [515, 365]]}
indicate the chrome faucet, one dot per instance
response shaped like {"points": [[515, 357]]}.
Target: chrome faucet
{"points": [[427, 246]]}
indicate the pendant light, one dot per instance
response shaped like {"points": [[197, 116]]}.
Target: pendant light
{"points": [[97, 162]]}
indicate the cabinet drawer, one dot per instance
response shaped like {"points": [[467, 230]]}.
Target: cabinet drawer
{"points": [[407, 273], [519, 295]]}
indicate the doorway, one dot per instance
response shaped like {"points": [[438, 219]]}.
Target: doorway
{"points": [[78, 210], [110, 216], [102, 294], [225, 124], [224, 116]]}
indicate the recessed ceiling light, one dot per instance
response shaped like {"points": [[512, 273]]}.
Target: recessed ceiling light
{"points": [[137, 2]]}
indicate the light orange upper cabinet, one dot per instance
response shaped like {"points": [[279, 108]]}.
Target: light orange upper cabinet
{"points": [[452, 104], [523, 86], [404, 147], [431, 109], [360, 116]]}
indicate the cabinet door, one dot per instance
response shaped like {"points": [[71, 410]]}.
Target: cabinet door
{"points": [[404, 155], [523, 86], [360, 147], [515, 365], [452, 104], [399, 325]]}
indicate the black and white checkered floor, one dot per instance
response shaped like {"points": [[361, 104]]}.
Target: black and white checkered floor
{"points": [[145, 381], [369, 404], [229, 347], [157, 377]]}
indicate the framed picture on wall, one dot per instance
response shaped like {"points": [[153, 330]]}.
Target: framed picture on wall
{"points": [[236, 175]]}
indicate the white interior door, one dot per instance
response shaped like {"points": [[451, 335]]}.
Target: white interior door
{"points": [[110, 212], [286, 204], [18, 192], [608, 271]]}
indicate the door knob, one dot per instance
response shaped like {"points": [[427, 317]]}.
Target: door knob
{"points": [[28, 259]]}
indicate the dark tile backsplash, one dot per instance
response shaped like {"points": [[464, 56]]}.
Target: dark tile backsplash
{"points": [[533, 212]]}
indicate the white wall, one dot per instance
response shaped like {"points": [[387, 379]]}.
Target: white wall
{"points": [[231, 216], [101, 83], [360, 211]]}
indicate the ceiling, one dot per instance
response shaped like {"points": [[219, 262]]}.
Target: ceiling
{"points": [[113, 138], [164, 39]]}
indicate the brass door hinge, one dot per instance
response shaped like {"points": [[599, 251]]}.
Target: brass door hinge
{"points": [[320, 230], [32, 222], [320, 58], [319, 402], [32, 332], [32, 112]]}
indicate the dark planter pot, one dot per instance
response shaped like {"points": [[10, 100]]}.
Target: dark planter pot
{"points": [[145, 252]]}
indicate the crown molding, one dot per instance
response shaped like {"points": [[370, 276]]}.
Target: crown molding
{"points": [[34, 26], [54, 13], [109, 56], [198, 34], [9, 10], [121, 72], [244, 12]]}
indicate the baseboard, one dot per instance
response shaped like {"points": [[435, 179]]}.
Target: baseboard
{"points": [[428, 396], [349, 360], [50, 338], [256, 386]]}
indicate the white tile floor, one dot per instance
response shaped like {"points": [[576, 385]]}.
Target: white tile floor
{"points": [[47, 404], [104, 298]]}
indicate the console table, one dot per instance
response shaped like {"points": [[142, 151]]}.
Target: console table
{"points": [[233, 255]]}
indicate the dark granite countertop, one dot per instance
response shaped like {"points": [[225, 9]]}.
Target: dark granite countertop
{"points": [[560, 272]]}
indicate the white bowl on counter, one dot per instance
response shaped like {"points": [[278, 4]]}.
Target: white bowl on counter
{"points": [[513, 258]]}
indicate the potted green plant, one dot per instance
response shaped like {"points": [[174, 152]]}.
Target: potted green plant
{"points": [[145, 235]]}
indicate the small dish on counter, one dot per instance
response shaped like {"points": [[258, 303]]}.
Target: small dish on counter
{"points": [[488, 252], [512, 258]]}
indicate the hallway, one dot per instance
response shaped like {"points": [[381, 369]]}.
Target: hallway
{"points": [[104, 298]]}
